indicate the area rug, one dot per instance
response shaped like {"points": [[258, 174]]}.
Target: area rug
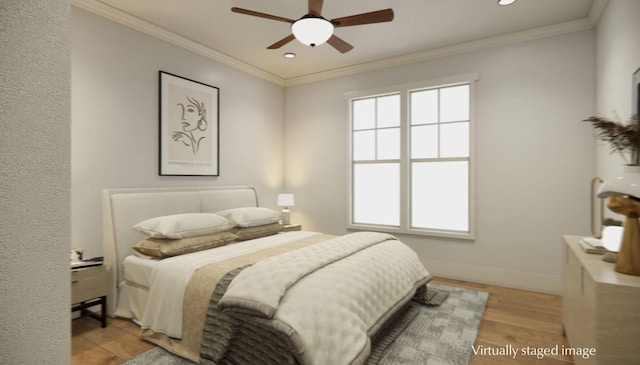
{"points": [[438, 332]]}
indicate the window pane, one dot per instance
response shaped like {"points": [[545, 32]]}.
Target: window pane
{"points": [[454, 103], [424, 141], [424, 107], [440, 195], [389, 144], [364, 145], [376, 194], [364, 114], [389, 111], [454, 140]]}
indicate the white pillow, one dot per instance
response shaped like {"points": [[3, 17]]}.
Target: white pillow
{"points": [[183, 225], [251, 216]]}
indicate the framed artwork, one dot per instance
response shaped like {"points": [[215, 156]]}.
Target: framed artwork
{"points": [[636, 92], [189, 127]]}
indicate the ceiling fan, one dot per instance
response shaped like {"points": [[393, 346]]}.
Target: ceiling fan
{"points": [[313, 29]]}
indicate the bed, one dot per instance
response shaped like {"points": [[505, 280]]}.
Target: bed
{"points": [[273, 298]]}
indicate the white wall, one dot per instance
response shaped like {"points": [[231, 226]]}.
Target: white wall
{"points": [[534, 156], [34, 182], [618, 56], [115, 120]]}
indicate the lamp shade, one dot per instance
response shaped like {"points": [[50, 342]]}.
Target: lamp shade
{"points": [[626, 184], [285, 200], [312, 31], [612, 238]]}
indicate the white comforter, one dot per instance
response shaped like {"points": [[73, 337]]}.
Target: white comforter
{"points": [[170, 277], [334, 294]]}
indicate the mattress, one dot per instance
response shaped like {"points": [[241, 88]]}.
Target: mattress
{"points": [[137, 271]]}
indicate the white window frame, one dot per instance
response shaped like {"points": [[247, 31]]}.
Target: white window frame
{"points": [[405, 158]]}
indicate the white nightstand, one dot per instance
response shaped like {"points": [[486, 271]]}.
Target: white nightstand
{"points": [[88, 289], [292, 227]]}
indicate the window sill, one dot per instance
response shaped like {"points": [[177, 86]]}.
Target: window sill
{"points": [[468, 236]]}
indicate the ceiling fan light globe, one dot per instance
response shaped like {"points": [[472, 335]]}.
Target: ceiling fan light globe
{"points": [[312, 31]]}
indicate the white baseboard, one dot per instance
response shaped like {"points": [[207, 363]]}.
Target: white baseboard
{"points": [[525, 280]]}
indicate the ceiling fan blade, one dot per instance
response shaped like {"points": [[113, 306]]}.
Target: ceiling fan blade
{"points": [[261, 15], [282, 42], [379, 16], [339, 44], [315, 7]]}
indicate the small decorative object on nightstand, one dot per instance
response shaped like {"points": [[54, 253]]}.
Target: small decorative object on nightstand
{"points": [[286, 201], [623, 193], [89, 288], [292, 227]]}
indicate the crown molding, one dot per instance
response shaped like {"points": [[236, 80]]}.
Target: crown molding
{"points": [[103, 10], [476, 45], [597, 9], [121, 17]]}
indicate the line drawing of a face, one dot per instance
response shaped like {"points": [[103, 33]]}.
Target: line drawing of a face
{"points": [[193, 115], [192, 118]]}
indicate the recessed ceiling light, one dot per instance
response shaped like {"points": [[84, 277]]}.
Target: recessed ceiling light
{"points": [[289, 55], [506, 2]]}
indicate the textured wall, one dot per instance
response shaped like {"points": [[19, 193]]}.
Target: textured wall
{"points": [[34, 181]]}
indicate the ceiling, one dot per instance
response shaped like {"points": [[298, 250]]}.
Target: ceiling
{"points": [[420, 29]]}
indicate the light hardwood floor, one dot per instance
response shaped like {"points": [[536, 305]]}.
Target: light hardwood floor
{"points": [[515, 318]]}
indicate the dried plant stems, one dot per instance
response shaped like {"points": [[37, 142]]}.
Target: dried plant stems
{"points": [[622, 138]]}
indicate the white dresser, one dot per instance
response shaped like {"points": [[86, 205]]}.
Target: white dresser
{"points": [[601, 308]]}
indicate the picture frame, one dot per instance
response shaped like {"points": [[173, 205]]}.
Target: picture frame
{"points": [[636, 93], [189, 127]]}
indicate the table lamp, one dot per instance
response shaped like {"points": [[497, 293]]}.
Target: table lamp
{"points": [[623, 195], [286, 201]]}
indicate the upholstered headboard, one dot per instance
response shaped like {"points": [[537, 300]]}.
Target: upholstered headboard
{"points": [[123, 208]]}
